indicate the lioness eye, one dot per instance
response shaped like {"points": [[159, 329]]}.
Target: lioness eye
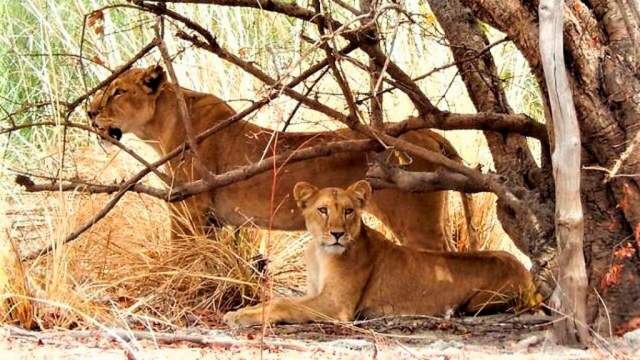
{"points": [[119, 92], [348, 211], [322, 210]]}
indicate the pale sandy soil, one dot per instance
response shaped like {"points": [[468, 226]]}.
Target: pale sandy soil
{"points": [[402, 341]]}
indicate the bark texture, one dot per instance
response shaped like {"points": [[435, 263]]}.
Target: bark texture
{"points": [[603, 76], [570, 295]]}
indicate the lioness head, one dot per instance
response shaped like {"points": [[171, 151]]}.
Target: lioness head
{"points": [[128, 103], [333, 215]]}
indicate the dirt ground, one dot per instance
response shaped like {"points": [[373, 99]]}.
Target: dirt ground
{"points": [[497, 337]]}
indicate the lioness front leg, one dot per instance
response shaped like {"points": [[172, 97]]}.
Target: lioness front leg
{"points": [[289, 311]]}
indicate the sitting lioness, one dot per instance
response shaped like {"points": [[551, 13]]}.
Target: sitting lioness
{"points": [[143, 102], [354, 271]]}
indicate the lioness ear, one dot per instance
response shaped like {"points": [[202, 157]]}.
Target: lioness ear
{"points": [[153, 77], [302, 192], [361, 190]]}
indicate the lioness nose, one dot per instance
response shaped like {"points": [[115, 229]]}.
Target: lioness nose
{"points": [[337, 234], [91, 114]]}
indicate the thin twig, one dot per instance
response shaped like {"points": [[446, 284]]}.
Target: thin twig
{"points": [[183, 110], [139, 55], [224, 54], [164, 177], [340, 79], [615, 169], [306, 94], [438, 69]]}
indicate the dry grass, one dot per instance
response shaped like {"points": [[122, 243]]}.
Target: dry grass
{"points": [[126, 270]]}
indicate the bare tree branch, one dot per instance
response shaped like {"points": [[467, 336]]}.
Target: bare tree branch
{"points": [[164, 177], [516, 123], [362, 36], [382, 175], [306, 94], [72, 105], [184, 191], [347, 7], [438, 69], [262, 76], [337, 73], [183, 111]]}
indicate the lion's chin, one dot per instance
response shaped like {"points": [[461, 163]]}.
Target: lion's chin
{"points": [[115, 133], [334, 249]]}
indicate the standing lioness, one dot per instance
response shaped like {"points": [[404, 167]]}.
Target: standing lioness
{"points": [[353, 269], [143, 102]]}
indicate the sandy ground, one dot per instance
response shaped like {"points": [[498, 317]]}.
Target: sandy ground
{"points": [[412, 339]]}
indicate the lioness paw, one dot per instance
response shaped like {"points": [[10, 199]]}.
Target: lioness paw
{"points": [[240, 318]]}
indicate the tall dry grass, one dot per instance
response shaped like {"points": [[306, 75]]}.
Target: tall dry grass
{"points": [[125, 271]]}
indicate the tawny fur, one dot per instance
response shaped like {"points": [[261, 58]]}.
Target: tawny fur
{"points": [[362, 273], [142, 102]]}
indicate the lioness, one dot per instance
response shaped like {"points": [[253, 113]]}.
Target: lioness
{"points": [[353, 270], [143, 102]]}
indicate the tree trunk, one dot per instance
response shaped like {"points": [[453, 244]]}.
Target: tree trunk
{"points": [[570, 295], [604, 79]]}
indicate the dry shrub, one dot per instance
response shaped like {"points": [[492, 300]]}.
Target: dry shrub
{"points": [[147, 273], [127, 270]]}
